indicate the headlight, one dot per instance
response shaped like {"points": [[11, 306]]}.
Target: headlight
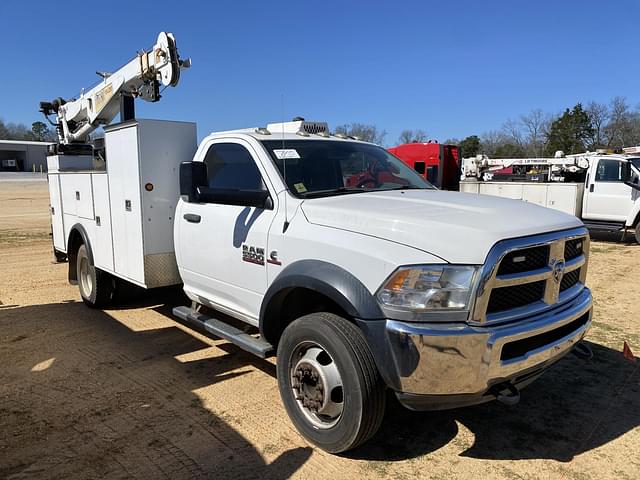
{"points": [[423, 288]]}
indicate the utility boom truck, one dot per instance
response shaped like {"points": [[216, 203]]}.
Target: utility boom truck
{"points": [[600, 188], [445, 298]]}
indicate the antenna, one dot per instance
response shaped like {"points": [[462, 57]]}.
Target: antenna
{"points": [[284, 170]]}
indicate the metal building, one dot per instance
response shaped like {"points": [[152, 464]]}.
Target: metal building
{"points": [[22, 155]]}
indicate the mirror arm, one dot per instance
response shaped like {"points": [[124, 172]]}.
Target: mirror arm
{"points": [[633, 185]]}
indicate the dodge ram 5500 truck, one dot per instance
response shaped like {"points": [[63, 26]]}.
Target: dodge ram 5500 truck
{"points": [[446, 298], [346, 263]]}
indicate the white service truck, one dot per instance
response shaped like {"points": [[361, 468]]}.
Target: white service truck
{"points": [[601, 189], [445, 298]]}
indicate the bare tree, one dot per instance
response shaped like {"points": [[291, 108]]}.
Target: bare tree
{"points": [[619, 130], [534, 132], [17, 131], [412, 136], [511, 132], [490, 141], [39, 131], [368, 133], [4, 133], [598, 114]]}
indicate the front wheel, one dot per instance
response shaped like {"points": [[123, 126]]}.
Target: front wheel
{"points": [[96, 287], [637, 232], [329, 383]]}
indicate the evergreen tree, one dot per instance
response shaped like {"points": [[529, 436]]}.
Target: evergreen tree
{"points": [[571, 132]]}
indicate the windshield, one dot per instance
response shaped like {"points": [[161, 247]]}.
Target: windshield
{"points": [[329, 167], [636, 163]]}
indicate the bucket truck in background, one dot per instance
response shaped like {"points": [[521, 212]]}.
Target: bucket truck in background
{"points": [[601, 188]]}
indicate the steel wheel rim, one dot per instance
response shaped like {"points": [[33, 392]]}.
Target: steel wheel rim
{"points": [[316, 385], [86, 281]]}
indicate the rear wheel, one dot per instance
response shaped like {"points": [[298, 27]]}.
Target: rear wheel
{"points": [[637, 232], [329, 383], [96, 287]]}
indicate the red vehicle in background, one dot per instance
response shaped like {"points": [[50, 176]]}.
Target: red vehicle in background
{"points": [[438, 163]]}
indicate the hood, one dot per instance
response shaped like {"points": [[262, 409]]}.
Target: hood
{"points": [[457, 227]]}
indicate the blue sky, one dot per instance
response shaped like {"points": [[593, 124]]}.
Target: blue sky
{"points": [[450, 68]]}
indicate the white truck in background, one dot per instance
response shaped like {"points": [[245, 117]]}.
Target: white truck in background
{"points": [[445, 298], [600, 188]]}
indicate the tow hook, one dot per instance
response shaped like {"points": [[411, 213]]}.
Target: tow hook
{"points": [[583, 351], [506, 393]]}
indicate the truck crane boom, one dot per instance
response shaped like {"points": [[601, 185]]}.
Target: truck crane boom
{"points": [[140, 77], [482, 166]]}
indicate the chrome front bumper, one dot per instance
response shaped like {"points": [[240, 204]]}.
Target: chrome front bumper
{"points": [[463, 361]]}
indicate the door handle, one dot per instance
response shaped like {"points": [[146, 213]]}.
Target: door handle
{"points": [[192, 217], [591, 187]]}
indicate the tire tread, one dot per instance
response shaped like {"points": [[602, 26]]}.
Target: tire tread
{"points": [[373, 389], [102, 288]]}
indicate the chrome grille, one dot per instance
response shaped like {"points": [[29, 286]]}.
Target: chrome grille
{"points": [[569, 280], [524, 260], [573, 248], [548, 270], [506, 298]]}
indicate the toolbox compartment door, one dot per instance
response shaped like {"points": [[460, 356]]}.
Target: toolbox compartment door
{"points": [[77, 194], [102, 241], [125, 201], [57, 225]]}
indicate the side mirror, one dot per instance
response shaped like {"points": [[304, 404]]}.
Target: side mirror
{"points": [[633, 184], [192, 176]]}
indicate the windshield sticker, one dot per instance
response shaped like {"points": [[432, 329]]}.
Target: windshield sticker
{"points": [[300, 188], [286, 153]]}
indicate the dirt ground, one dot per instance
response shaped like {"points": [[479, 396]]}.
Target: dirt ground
{"points": [[132, 393]]}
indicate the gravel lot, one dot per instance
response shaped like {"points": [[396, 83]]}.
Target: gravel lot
{"points": [[131, 393]]}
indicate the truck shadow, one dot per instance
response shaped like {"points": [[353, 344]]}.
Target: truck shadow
{"points": [[120, 401], [85, 395], [574, 407]]}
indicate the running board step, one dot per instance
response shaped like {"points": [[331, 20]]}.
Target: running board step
{"points": [[605, 226], [247, 342]]}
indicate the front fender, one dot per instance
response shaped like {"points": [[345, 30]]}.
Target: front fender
{"points": [[325, 278], [634, 215]]}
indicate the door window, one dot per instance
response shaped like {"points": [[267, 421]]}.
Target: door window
{"points": [[231, 166], [609, 171]]}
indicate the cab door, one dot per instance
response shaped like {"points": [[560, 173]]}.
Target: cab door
{"points": [[607, 197], [222, 256]]}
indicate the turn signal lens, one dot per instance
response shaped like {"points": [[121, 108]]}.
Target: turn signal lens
{"points": [[398, 280]]}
